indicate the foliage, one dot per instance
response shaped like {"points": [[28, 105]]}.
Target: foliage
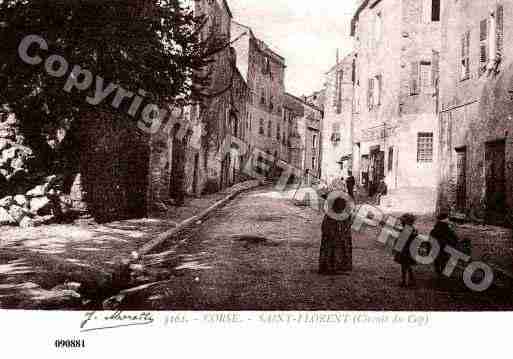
{"points": [[139, 44]]}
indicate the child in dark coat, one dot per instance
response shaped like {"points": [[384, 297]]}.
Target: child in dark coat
{"points": [[403, 257]]}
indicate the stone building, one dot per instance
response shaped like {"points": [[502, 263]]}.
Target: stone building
{"points": [[476, 109], [304, 122], [264, 71], [397, 43], [337, 131], [186, 159]]}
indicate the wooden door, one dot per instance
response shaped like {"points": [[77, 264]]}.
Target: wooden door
{"points": [[495, 182], [461, 179]]}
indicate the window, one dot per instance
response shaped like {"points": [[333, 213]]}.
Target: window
{"points": [[337, 97], [314, 141], [425, 147], [500, 29], [435, 10], [425, 80], [262, 97], [370, 94], [313, 163], [435, 69], [271, 104], [266, 65], [278, 133], [269, 129], [261, 127], [335, 134], [378, 28], [390, 159], [483, 45], [415, 78], [377, 94], [465, 56]]}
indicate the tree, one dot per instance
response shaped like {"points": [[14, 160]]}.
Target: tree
{"points": [[148, 45]]}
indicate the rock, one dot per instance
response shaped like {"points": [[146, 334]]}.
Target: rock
{"points": [[11, 119], [42, 220], [18, 163], [74, 286], [52, 299], [9, 153], [6, 218], [7, 132], [18, 213], [5, 143], [41, 205], [27, 222], [6, 201], [38, 191], [21, 200]]}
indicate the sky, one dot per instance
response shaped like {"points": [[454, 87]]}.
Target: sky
{"points": [[306, 32]]}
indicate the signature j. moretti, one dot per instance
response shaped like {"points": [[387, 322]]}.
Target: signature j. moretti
{"points": [[110, 320]]}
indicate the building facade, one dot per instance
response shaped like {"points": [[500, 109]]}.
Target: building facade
{"points": [[397, 44], [264, 71], [476, 109], [337, 128], [186, 159], [304, 136]]}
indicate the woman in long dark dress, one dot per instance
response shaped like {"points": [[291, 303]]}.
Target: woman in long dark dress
{"points": [[336, 248]]}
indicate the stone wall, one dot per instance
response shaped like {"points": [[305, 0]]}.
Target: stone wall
{"points": [[337, 132], [475, 112]]}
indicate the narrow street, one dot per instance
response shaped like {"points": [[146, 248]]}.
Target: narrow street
{"points": [[260, 252]]}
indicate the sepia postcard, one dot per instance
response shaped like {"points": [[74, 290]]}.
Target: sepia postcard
{"points": [[264, 175]]}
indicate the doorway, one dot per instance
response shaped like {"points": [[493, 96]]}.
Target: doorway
{"points": [[377, 168], [495, 182], [461, 179], [195, 175]]}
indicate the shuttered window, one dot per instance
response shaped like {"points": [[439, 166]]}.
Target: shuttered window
{"points": [[370, 94], [465, 56], [415, 78], [435, 68], [500, 29], [379, 80], [483, 45], [425, 77]]}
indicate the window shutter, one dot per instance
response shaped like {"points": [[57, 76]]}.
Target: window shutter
{"points": [[483, 30], [414, 78], [436, 68], [379, 88], [500, 29], [482, 54], [371, 94], [483, 46]]}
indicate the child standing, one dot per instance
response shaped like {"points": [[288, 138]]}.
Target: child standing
{"points": [[403, 257]]}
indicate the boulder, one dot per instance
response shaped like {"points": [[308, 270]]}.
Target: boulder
{"points": [[7, 132], [38, 191], [21, 200], [41, 205], [18, 213], [52, 299], [42, 220], [5, 143], [6, 201], [27, 222], [5, 218]]}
